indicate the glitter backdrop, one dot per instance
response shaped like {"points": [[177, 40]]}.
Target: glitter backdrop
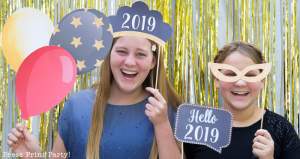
{"points": [[200, 28]]}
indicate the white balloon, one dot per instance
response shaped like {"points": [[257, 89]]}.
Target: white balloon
{"points": [[26, 30]]}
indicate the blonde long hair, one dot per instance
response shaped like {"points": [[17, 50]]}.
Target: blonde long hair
{"points": [[102, 95]]}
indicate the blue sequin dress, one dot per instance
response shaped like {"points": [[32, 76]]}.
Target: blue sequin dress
{"points": [[127, 133]]}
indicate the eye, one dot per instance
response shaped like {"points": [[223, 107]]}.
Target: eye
{"points": [[228, 72], [141, 54], [252, 73], [121, 52]]}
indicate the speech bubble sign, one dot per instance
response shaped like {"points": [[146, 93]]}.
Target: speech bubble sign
{"points": [[203, 125]]}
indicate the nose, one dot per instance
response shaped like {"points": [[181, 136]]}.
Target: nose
{"points": [[240, 82], [130, 61]]}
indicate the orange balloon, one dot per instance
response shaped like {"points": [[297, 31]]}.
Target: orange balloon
{"points": [[0, 39], [25, 30]]}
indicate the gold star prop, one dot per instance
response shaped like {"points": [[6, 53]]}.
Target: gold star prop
{"points": [[98, 63], [81, 64], [76, 42], [76, 22], [98, 44], [56, 30], [98, 22], [110, 29]]}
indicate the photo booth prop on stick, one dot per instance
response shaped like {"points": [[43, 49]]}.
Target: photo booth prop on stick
{"points": [[139, 21], [228, 73], [46, 74], [203, 125], [87, 35]]}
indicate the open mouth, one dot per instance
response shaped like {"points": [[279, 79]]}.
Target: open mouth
{"points": [[240, 93], [129, 73]]}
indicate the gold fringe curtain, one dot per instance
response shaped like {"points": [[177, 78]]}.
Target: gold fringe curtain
{"points": [[272, 26], [200, 28]]}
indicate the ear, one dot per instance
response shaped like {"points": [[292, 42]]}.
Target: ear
{"points": [[153, 63], [262, 84], [217, 83]]}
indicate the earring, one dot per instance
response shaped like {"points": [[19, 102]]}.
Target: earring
{"points": [[153, 48]]}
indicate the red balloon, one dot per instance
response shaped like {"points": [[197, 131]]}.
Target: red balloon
{"points": [[44, 78]]}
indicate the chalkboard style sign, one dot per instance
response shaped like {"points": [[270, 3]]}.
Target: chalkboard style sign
{"points": [[203, 125]]}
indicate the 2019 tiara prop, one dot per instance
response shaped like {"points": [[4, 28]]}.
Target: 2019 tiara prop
{"points": [[138, 20]]}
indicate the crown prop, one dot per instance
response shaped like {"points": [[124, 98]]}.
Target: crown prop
{"points": [[138, 20]]}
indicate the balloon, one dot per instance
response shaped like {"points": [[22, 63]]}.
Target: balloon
{"points": [[44, 78], [87, 35], [25, 30], [0, 39]]}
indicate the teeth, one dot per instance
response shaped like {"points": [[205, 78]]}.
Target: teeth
{"points": [[129, 72], [240, 92]]}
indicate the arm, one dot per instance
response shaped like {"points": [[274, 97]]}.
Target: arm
{"points": [[167, 146], [157, 112], [58, 147], [263, 145], [61, 140], [290, 143], [21, 141]]}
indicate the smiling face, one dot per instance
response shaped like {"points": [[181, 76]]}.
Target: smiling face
{"points": [[239, 95], [131, 60]]}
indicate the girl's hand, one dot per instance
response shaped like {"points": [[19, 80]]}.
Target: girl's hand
{"points": [[156, 108], [263, 145], [21, 141]]}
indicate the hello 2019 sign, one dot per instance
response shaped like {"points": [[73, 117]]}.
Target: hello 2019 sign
{"points": [[203, 125]]}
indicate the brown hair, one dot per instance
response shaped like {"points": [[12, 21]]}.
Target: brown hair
{"points": [[102, 95], [242, 47]]}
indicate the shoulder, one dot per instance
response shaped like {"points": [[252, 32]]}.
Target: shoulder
{"points": [[282, 132], [277, 123], [79, 102], [87, 94]]}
